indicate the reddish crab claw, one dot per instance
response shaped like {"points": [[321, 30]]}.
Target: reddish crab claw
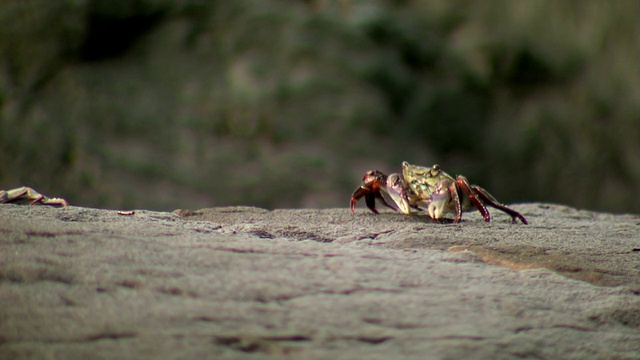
{"points": [[372, 181], [429, 189]]}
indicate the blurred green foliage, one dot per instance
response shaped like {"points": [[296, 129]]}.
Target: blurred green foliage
{"points": [[162, 104]]}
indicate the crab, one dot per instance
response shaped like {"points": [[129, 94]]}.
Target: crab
{"points": [[429, 189], [27, 195]]}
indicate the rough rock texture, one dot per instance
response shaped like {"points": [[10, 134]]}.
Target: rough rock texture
{"points": [[250, 283]]}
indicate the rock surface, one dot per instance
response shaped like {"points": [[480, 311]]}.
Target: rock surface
{"points": [[245, 282]]}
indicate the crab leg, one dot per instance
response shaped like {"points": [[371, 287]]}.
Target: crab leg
{"points": [[27, 195], [491, 201], [13, 195], [457, 205], [463, 184]]}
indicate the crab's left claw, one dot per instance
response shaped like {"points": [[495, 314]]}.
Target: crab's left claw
{"points": [[396, 190]]}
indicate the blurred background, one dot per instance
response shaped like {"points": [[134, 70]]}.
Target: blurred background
{"points": [[165, 104]]}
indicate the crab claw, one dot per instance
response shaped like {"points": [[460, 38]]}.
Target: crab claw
{"points": [[396, 190], [372, 182], [387, 189], [369, 198], [438, 200]]}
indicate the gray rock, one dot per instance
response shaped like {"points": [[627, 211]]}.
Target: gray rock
{"points": [[244, 282]]}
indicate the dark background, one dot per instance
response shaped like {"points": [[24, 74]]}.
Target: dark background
{"points": [[165, 104]]}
